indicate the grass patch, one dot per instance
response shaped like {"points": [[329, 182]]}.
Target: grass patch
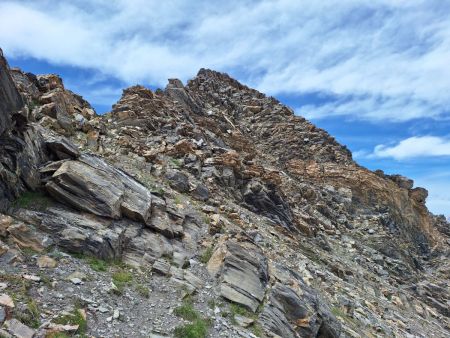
{"points": [[178, 200], [35, 200], [257, 330], [211, 304], [237, 309], [206, 255], [187, 311], [197, 329], [73, 318], [121, 279], [31, 315], [176, 162], [143, 290], [98, 265]]}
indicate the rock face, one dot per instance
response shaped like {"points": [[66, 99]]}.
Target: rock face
{"points": [[244, 276], [215, 191], [90, 184]]}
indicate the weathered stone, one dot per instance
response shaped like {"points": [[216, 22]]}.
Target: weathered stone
{"points": [[200, 192], [46, 262], [164, 221], [144, 247], [178, 180], [62, 148], [92, 185], [244, 275], [19, 330], [161, 266], [26, 236], [6, 300], [87, 188]]}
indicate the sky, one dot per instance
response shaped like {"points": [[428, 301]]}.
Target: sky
{"points": [[375, 74]]}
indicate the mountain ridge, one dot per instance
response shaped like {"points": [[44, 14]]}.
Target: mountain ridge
{"points": [[306, 240]]}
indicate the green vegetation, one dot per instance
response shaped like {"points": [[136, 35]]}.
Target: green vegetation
{"points": [[178, 200], [211, 303], [98, 265], [57, 335], [237, 309], [206, 255], [187, 311], [31, 315], [199, 326], [33, 104], [143, 290], [176, 162], [121, 279], [73, 318], [35, 200], [257, 330], [197, 329]]}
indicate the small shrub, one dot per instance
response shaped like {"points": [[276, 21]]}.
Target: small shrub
{"points": [[33, 104], [197, 329], [211, 303], [177, 200], [206, 255]]}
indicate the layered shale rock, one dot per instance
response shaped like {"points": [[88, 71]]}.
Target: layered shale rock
{"points": [[213, 193]]}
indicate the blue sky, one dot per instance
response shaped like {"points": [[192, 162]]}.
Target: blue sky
{"points": [[375, 74]]}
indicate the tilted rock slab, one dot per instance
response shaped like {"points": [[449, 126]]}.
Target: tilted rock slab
{"points": [[244, 273], [90, 184]]}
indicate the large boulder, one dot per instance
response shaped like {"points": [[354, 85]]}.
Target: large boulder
{"points": [[90, 184], [243, 270]]}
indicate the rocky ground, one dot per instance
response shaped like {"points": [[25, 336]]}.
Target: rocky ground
{"points": [[203, 210]]}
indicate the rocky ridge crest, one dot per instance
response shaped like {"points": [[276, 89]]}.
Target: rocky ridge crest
{"points": [[215, 193]]}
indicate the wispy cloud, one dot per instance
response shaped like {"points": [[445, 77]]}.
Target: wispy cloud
{"points": [[381, 60], [413, 147]]}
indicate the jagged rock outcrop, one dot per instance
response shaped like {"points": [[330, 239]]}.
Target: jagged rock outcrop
{"points": [[223, 193]]}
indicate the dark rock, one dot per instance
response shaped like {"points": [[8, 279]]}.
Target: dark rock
{"points": [[266, 201], [178, 180], [10, 99], [200, 192], [61, 147]]}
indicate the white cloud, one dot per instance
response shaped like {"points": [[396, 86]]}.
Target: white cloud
{"points": [[383, 60], [417, 146]]}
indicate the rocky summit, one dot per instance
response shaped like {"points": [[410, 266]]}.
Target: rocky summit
{"points": [[203, 210]]}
